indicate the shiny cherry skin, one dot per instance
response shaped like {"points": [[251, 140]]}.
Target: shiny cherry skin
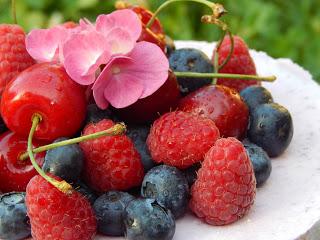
{"points": [[221, 104], [45, 89], [14, 173], [146, 110], [155, 34]]}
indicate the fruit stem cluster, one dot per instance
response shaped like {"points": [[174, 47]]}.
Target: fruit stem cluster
{"points": [[117, 129], [217, 11]]}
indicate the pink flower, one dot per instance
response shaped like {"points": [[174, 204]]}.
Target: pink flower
{"points": [[43, 44], [83, 54], [128, 78], [130, 70]]}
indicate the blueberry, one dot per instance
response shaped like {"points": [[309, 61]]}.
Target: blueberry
{"points": [[145, 219], [260, 160], [139, 134], [191, 173], [14, 222], [170, 47], [109, 209], [95, 114], [190, 60], [271, 128], [85, 191], [254, 96], [65, 162], [169, 187]]}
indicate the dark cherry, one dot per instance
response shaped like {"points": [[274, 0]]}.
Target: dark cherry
{"points": [[45, 89], [146, 110], [221, 104], [14, 173], [3, 127], [155, 34]]}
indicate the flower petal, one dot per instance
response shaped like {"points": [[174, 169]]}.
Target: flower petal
{"points": [[119, 88], [149, 66], [43, 44], [83, 53], [120, 41], [125, 19], [99, 87]]}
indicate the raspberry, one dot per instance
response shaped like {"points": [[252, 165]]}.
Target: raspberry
{"points": [[239, 63], [181, 139], [55, 215], [225, 188], [14, 57], [111, 162]]}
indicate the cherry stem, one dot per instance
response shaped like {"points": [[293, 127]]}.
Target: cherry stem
{"points": [[225, 75], [117, 129], [63, 186], [217, 9], [13, 11]]}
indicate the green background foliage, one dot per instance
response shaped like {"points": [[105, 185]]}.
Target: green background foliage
{"points": [[282, 28]]}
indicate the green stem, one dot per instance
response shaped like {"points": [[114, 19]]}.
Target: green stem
{"points": [[117, 129], [225, 75], [216, 66], [230, 52], [211, 5], [13, 11], [63, 186]]}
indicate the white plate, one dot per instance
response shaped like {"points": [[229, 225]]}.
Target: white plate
{"points": [[288, 204]]}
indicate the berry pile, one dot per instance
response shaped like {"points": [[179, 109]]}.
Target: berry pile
{"points": [[68, 169]]}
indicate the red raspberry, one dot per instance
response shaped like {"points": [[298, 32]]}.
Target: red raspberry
{"points": [[55, 215], [226, 186], [14, 57], [112, 162], [180, 139], [221, 104], [239, 63]]}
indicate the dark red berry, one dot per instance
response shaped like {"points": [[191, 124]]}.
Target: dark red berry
{"points": [[225, 189], [221, 104], [14, 57], [56, 215], [155, 34], [148, 109], [111, 162], [44, 89], [15, 173], [239, 63], [181, 139]]}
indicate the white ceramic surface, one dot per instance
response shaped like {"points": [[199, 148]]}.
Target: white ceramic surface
{"points": [[289, 203]]}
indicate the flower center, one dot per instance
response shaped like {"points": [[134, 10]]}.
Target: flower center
{"points": [[116, 70]]}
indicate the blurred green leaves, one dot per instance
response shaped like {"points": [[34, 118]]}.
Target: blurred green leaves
{"points": [[282, 28]]}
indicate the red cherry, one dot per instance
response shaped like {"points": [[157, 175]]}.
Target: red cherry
{"points": [[47, 90], [155, 34], [148, 109], [221, 104], [14, 173]]}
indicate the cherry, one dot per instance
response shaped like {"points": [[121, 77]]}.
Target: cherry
{"points": [[14, 173], [221, 104], [148, 109], [44, 89]]}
